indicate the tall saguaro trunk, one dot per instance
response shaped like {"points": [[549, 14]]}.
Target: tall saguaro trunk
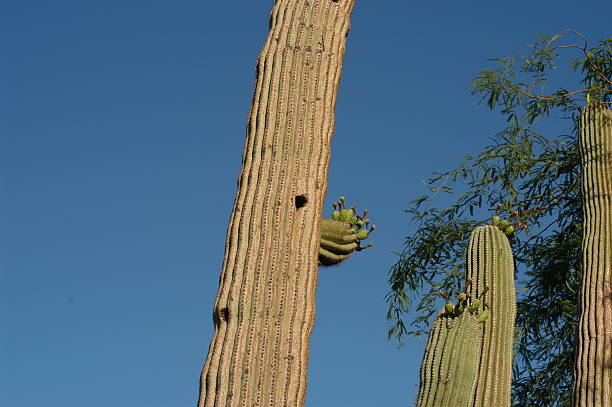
{"points": [[593, 370], [265, 307]]}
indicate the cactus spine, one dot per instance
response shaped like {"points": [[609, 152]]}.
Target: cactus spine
{"points": [[468, 358], [490, 265], [593, 368], [265, 307]]}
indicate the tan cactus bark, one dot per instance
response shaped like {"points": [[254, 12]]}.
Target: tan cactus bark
{"points": [[593, 369], [265, 307]]}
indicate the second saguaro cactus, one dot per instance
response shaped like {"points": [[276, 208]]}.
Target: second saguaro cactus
{"points": [[593, 369], [468, 358]]}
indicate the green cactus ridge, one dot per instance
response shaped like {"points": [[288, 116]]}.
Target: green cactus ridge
{"points": [[450, 364], [341, 235], [490, 266]]}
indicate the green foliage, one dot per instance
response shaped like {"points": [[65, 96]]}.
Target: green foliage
{"points": [[531, 180]]}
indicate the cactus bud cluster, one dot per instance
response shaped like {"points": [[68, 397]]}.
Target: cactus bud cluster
{"points": [[503, 225], [341, 235], [466, 301]]}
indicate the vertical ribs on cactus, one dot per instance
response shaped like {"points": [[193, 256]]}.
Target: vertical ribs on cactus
{"points": [[489, 265], [341, 235], [468, 358], [593, 366], [449, 370]]}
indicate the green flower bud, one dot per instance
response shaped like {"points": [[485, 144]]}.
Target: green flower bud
{"points": [[449, 308], [362, 234], [474, 306]]}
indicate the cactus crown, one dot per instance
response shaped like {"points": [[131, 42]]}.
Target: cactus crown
{"points": [[341, 235]]}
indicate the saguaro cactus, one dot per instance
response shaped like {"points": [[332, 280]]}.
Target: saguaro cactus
{"points": [[265, 307], [490, 265], [593, 369], [449, 370], [468, 358]]}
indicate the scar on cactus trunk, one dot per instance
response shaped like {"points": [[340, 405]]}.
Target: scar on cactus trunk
{"points": [[468, 358], [593, 367], [342, 234]]}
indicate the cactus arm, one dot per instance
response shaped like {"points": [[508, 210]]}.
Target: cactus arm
{"points": [[341, 235]]}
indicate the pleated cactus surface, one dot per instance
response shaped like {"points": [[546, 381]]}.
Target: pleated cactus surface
{"points": [[265, 307], [593, 369], [450, 365], [468, 357], [490, 266]]}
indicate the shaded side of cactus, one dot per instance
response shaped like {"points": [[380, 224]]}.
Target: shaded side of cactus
{"points": [[593, 368], [265, 307], [449, 370], [490, 268]]}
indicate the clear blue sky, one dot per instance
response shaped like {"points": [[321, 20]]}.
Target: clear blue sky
{"points": [[122, 126]]}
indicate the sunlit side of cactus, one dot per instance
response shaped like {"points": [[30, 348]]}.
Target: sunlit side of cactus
{"points": [[468, 358], [450, 365], [593, 368], [490, 267]]}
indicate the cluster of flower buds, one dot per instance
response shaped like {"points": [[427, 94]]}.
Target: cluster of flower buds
{"points": [[466, 302], [358, 223]]}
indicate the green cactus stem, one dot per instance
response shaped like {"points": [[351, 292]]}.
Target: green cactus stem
{"points": [[449, 370], [476, 333], [490, 266], [341, 235], [593, 368]]}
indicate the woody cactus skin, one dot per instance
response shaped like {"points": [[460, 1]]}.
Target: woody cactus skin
{"points": [[265, 306], [468, 359], [593, 368], [490, 266], [341, 235]]}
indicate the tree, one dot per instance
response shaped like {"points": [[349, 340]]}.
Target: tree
{"points": [[264, 309], [533, 181]]}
